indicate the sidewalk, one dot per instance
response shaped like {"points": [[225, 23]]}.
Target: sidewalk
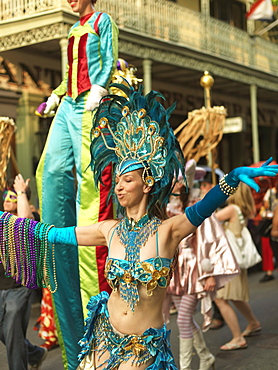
{"points": [[262, 351]]}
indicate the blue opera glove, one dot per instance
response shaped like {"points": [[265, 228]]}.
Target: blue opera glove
{"points": [[247, 174], [64, 235], [197, 213], [1, 213]]}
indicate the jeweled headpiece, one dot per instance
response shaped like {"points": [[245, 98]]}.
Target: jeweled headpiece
{"points": [[134, 133]]}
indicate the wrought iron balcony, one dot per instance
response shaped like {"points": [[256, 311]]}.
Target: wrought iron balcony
{"points": [[156, 20], [12, 10]]}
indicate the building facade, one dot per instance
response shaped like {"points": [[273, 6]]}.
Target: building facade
{"points": [[171, 43]]}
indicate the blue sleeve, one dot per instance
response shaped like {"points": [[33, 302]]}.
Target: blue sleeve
{"points": [[65, 235], [205, 207], [197, 213], [108, 48]]}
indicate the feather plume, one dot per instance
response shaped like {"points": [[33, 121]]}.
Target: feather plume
{"points": [[160, 149]]}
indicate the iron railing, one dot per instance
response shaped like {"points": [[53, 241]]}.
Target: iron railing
{"points": [[166, 21]]}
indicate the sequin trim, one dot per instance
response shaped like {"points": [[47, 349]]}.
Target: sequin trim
{"points": [[133, 236], [100, 337]]}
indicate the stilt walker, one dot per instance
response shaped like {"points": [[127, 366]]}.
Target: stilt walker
{"points": [[92, 58]]}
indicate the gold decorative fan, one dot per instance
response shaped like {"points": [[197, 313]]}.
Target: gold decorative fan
{"points": [[201, 132], [7, 129]]}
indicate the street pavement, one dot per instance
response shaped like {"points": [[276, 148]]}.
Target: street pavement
{"points": [[262, 351]]}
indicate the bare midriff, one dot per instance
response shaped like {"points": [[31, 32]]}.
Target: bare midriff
{"points": [[147, 313]]}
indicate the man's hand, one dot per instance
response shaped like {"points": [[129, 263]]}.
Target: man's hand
{"points": [[96, 93], [51, 103]]}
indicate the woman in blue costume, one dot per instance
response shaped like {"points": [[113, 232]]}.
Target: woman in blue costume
{"points": [[126, 329]]}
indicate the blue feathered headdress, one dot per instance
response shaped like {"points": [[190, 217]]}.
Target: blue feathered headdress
{"points": [[132, 133]]}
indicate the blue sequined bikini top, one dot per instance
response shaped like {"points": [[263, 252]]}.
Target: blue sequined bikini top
{"points": [[125, 275]]}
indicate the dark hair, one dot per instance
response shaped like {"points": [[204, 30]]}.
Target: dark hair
{"points": [[208, 178], [159, 211], [184, 196]]}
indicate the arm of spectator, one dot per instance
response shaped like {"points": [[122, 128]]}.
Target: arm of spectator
{"points": [[210, 284], [23, 206], [227, 213]]}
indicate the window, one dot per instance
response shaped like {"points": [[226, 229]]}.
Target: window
{"points": [[229, 11]]}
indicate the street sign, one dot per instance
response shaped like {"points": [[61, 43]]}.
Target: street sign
{"points": [[233, 124]]}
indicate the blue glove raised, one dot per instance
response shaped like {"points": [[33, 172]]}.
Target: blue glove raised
{"points": [[216, 197], [247, 174], [63, 235]]}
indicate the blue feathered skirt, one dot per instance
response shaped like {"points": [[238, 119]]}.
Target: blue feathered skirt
{"points": [[100, 337]]}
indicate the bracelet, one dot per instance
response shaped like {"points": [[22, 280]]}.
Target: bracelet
{"points": [[226, 188], [21, 192]]}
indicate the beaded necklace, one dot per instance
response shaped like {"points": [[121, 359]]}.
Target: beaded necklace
{"points": [[24, 251], [134, 235]]}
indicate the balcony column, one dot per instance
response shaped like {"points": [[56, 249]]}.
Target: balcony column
{"points": [[147, 75], [64, 55], [205, 12], [205, 7], [250, 23], [254, 123]]}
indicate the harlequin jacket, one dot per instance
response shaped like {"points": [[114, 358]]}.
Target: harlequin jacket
{"points": [[92, 54]]}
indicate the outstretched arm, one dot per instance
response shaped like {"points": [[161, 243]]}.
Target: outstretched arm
{"points": [[84, 235], [227, 186], [81, 235], [27, 247]]}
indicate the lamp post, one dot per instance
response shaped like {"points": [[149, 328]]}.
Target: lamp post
{"points": [[207, 81]]}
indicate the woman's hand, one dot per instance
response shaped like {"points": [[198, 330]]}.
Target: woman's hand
{"points": [[20, 185], [210, 284], [23, 206], [247, 174]]}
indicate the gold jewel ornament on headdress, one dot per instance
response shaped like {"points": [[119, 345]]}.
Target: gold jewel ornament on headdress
{"points": [[134, 133], [137, 144]]}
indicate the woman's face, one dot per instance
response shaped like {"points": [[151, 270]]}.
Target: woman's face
{"points": [[130, 188], [83, 7], [10, 201], [205, 187]]}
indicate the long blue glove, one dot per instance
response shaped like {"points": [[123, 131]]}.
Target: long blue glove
{"points": [[247, 174], [215, 197], [64, 235]]}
